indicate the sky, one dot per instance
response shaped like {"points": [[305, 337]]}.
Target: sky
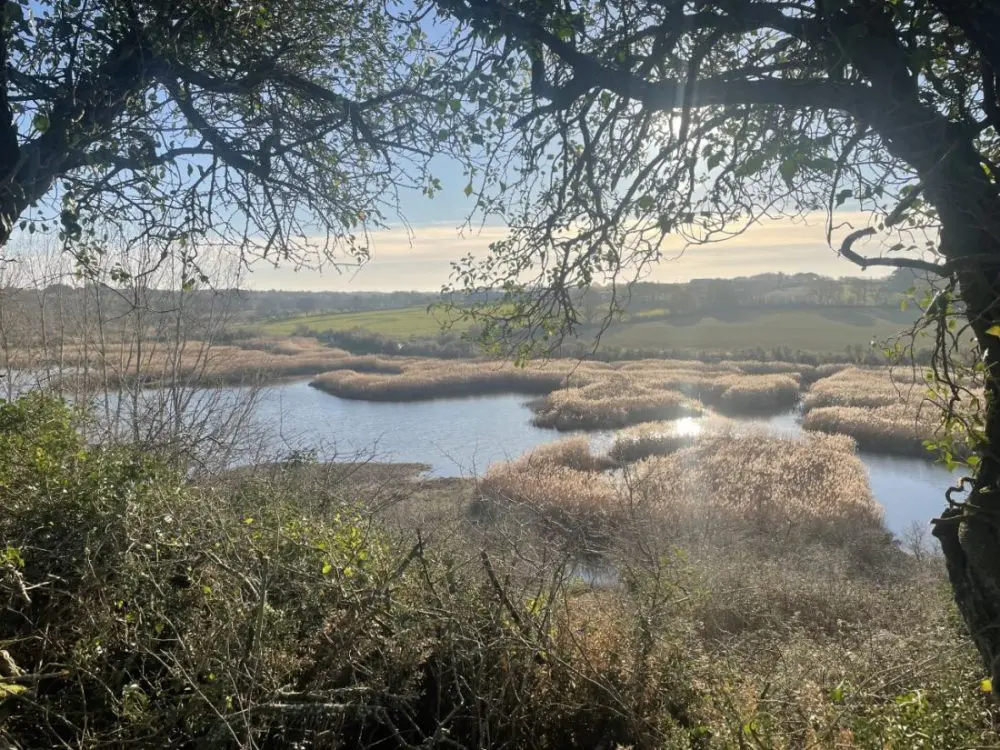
{"points": [[421, 260]]}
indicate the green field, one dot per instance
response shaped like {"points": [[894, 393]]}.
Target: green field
{"points": [[819, 331], [404, 322], [810, 330]]}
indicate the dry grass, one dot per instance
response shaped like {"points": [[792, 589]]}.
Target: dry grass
{"points": [[663, 438], [418, 378], [154, 362], [617, 400], [750, 479], [730, 387], [760, 480], [886, 411], [864, 387], [898, 429], [582, 395]]}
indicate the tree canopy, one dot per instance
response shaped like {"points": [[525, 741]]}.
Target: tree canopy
{"points": [[639, 119], [191, 123]]}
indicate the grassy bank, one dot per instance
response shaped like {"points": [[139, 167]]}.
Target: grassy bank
{"points": [[317, 606]]}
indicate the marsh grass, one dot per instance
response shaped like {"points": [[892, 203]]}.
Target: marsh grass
{"points": [[748, 478], [617, 400], [418, 379], [202, 363], [574, 394], [886, 411], [663, 438], [897, 429], [865, 387]]}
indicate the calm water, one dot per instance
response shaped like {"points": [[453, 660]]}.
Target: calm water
{"points": [[461, 437], [455, 437]]}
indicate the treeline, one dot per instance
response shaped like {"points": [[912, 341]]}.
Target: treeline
{"points": [[769, 290], [644, 300]]}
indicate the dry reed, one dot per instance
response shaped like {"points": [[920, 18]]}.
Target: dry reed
{"points": [[764, 481], [864, 387], [663, 438], [431, 378], [613, 401], [895, 429], [751, 479]]}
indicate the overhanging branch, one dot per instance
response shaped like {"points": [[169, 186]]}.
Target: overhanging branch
{"points": [[846, 251], [668, 94]]}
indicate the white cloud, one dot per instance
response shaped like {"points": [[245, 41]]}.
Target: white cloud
{"points": [[422, 260]]}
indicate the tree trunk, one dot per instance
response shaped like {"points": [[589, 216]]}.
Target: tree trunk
{"points": [[970, 533]]}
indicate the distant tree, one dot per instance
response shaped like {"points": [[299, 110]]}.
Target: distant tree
{"points": [[213, 122], [646, 118]]}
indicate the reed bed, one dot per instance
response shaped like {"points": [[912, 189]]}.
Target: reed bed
{"points": [[886, 411], [562, 478], [578, 395], [156, 364], [614, 401], [663, 438], [897, 429], [730, 387], [815, 482], [864, 387], [419, 379], [291, 345]]}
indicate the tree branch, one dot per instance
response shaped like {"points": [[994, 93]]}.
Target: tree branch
{"points": [[667, 94], [225, 150], [940, 269]]}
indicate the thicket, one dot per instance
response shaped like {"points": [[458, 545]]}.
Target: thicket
{"points": [[294, 605]]}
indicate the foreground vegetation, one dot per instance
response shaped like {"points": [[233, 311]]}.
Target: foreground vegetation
{"points": [[750, 603]]}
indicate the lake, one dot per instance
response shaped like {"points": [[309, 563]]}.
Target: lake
{"points": [[462, 437]]}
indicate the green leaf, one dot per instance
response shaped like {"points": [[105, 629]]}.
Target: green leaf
{"points": [[823, 164], [787, 170], [994, 330], [843, 195], [327, 567], [645, 202], [40, 122], [468, 190]]}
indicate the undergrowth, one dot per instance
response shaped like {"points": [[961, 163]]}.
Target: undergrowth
{"points": [[263, 611]]}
